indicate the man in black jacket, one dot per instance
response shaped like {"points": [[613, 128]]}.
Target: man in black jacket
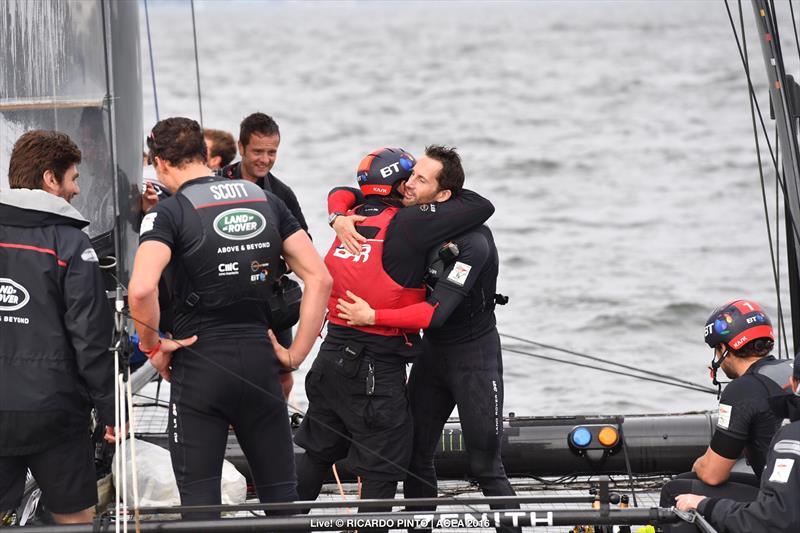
{"points": [[55, 330], [775, 507]]}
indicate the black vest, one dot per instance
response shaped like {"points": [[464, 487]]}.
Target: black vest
{"points": [[239, 255]]}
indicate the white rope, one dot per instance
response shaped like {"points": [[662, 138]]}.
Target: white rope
{"points": [[134, 476], [117, 430], [120, 436]]}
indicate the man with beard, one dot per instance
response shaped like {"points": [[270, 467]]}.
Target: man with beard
{"points": [[55, 333], [461, 364], [358, 408], [741, 336], [775, 506]]}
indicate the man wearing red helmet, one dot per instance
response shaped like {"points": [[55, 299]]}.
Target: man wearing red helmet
{"points": [[775, 508], [741, 336], [356, 387]]}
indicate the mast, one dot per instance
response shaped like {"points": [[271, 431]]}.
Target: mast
{"points": [[781, 91], [124, 116], [74, 67]]}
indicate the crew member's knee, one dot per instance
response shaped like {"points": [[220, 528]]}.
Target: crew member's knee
{"points": [[672, 489], [485, 465], [81, 517]]}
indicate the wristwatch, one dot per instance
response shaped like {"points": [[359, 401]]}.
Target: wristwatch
{"points": [[332, 217]]}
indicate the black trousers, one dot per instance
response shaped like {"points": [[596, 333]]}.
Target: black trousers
{"points": [[740, 487], [469, 376], [206, 400], [369, 429]]}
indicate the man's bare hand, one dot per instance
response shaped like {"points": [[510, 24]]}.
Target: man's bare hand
{"points": [[357, 312], [149, 197], [111, 436], [162, 359], [345, 228], [688, 502], [284, 357]]}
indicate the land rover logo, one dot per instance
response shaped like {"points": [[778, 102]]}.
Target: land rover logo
{"points": [[239, 224], [13, 296]]}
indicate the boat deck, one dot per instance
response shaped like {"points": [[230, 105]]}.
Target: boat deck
{"points": [[151, 416]]}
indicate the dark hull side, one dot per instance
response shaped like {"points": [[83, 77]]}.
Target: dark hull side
{"points": [[538, 446]]}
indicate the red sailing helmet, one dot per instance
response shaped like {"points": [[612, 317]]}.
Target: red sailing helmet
{"points": [[736, 324], [381, 169]]}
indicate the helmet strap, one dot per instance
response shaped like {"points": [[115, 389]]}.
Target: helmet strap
{"points": [[715, 364]]}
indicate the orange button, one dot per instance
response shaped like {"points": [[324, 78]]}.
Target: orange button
{"points": [[608, 436]]}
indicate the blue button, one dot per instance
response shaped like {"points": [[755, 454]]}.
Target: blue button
{"points": [[581, 437]]}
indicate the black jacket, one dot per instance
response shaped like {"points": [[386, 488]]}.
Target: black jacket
{"points": [[273, 185], [776, 508], [55, 325]]}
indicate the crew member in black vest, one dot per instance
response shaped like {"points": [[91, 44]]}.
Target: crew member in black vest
{"points": [[741, 336], [259, 140], [357, 385], [775, 508], [218, 242], [461, 364]]}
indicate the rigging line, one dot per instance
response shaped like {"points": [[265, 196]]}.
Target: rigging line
{"points": [[780, 72], [780, 69], [794, 26], [788, 215], [627, 463], [697, 388], [775, 272], [601, 360], [758, 107], [152, 64], [197, 65]]}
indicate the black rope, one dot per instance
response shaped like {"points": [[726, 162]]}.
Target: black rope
{"points": [[152, 64], [600, 360], [782, 184], [742, 48], [627, 463], [794, 27], [698, 388], [772, 254], [197, 65]]}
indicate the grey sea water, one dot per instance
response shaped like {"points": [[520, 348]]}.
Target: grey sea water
{"points": [[614, 138]]}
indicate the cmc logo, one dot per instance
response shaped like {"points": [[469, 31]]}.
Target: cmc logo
{"points": [[13, 296], [228, 269], [239, 224]]}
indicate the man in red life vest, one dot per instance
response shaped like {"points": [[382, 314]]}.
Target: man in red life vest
{"points": [[358, 408]]}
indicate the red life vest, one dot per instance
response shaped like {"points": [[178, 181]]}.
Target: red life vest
{"points": [[364, 275]]}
